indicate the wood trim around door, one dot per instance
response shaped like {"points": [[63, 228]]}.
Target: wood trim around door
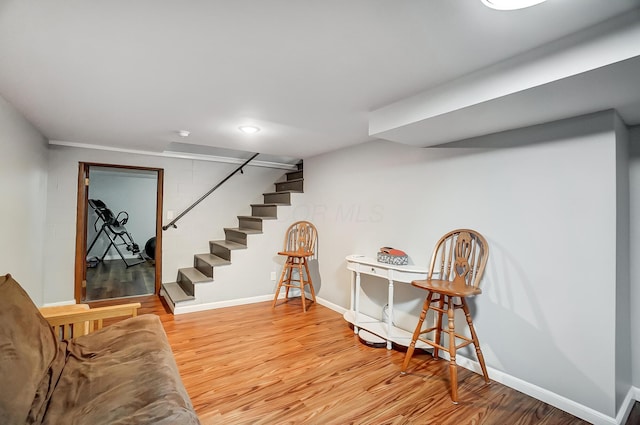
{"points": [[81, 233], [159, 209], [80, 272]]}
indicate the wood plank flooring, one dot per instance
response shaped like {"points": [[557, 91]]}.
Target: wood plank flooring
{"points": [[112, 279], [256, 365]]}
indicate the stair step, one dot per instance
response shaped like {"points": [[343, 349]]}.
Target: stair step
{"points": [[223, 248], [175, 292], [264, 210], [194, 275], [294, 175], [212, 260], [290, 185], [279, 198], [244, 230], [258, 217], [228, 244], [239, 235], [206, 262], [250, 222]]}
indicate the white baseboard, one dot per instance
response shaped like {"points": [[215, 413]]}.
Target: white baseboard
{"points": [[70, 302], [221, 304], [633, 395], [242, 301], [332, 306], [576, 409], [114, 256]]}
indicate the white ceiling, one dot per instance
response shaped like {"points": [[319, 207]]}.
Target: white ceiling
{"points": [[129, 74]]}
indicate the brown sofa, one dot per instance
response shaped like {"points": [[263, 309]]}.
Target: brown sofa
{"points": [[124, 373]]}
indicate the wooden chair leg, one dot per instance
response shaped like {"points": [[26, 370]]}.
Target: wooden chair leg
{"points": [[301, 280], [313, 292], [280, 283], [416, 334], [438, 334], [287, 281], [453, 367], [476, 342]]}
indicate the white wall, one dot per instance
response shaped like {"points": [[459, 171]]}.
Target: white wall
{"points": [[634, 178], [23, 181], [184, 182], [547, 206]]}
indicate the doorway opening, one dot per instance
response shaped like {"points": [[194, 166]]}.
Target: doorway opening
{"points": [[119, 233]]}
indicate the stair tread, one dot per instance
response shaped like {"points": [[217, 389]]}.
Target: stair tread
{"points": [[244, 230], [176, 293], [271, 204], [279, 192], [295, 190], [257, 217], [194, 275], [292, 180], [229, 245], [280, 204], [213, 260], [250, 217]]}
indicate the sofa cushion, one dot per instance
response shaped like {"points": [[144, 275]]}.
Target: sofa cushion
{"points": [[27, 349], [123, 374]]}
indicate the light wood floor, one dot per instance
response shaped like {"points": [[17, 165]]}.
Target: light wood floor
{"points": [[254, 365]]}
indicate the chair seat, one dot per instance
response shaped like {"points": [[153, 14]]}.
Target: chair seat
{"points": [[298, 254], [447, 287]]}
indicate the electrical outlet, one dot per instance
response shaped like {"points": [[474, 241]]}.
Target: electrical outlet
{"points": [[273, 276]]}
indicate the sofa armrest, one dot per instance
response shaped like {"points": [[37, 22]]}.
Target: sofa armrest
{"points": [[78, 319]]}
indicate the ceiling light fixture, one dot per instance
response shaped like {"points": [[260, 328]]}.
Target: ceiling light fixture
{"points": [[510, 4], [184, 133], [248, 129]]}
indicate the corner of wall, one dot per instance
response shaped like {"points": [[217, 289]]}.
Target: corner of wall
{"points": [[623, 328], [634, 249]]}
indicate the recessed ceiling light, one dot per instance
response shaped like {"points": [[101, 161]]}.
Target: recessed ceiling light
{"points": [[510, 4], [184, 133], [248, 129]]}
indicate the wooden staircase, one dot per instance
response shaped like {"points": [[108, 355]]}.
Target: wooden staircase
{"points": [[184, 288]]}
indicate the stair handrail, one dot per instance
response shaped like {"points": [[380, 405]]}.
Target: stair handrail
{"points": [[202, 198]]}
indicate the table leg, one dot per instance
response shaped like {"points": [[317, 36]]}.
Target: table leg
{"points": [[352, 305], [356, 306], [390, 314]]}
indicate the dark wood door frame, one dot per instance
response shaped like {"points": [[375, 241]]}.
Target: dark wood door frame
{"points": [[81, 225]]}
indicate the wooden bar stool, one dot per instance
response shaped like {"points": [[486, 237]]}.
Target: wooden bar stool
{"points": [[459, 260], [299, 246]]}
